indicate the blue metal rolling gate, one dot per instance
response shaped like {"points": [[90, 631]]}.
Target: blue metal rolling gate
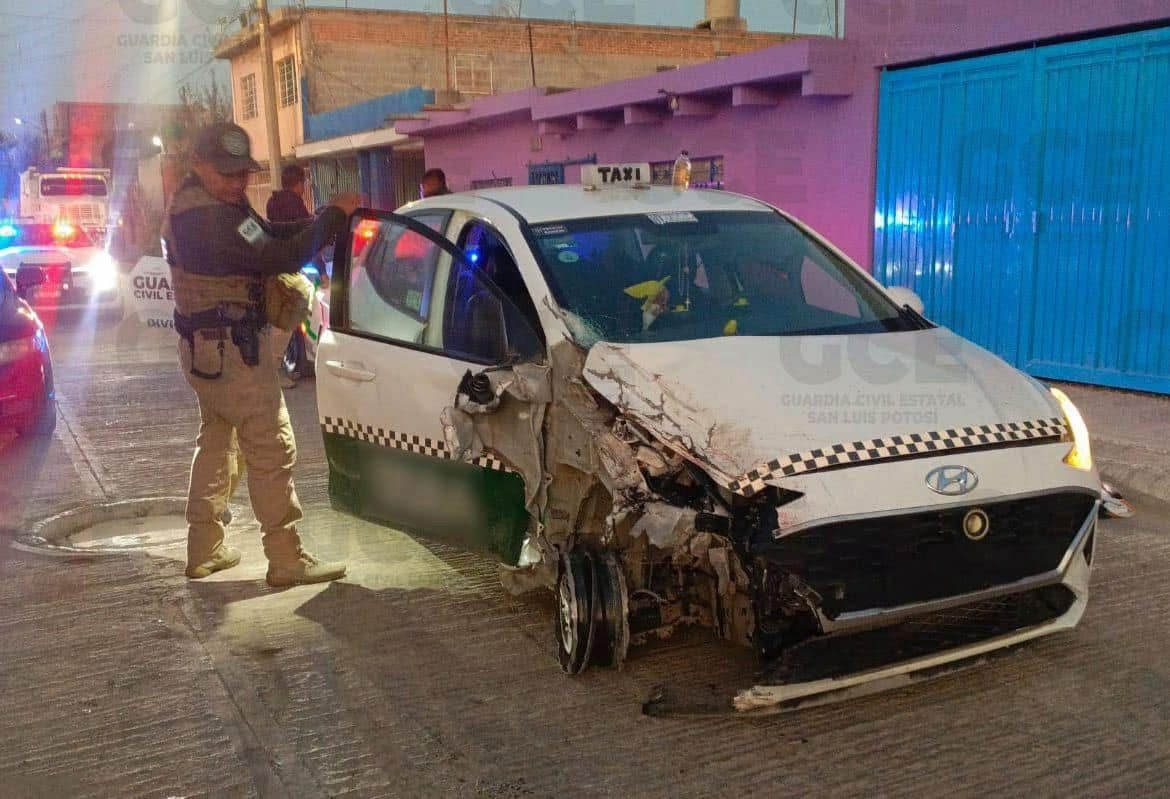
{"points": [[1026, 197]]}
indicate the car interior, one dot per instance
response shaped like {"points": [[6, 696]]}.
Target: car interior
{"points": [[405, 288]]}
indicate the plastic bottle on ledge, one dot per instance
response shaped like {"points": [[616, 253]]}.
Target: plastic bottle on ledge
{"points": [[682, 171]]}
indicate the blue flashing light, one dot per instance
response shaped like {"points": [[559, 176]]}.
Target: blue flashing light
{"points": [[473, 256], [8, 232]]}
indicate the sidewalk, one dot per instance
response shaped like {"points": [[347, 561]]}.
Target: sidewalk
{"points": [[1131, 437]]}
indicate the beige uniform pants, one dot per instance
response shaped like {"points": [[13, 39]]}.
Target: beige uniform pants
{"points": [[244, 404]]}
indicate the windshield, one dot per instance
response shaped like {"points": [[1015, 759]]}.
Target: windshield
{"points": [[62, 234], [681, 275]]}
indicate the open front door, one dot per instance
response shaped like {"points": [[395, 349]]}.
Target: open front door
{"points": [[411, 317]]}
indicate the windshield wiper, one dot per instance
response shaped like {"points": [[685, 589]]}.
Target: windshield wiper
{"points": [[917, 320]]}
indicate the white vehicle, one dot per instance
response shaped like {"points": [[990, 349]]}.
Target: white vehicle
{"points": [[59, 266], [685, 407], [77, 195]]}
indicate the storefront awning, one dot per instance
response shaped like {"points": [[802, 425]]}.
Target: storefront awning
{"points": [[383, 137]]}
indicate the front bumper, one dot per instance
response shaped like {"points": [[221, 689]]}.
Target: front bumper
{"points": [[66, 289], [952, 634], [76, 298]]}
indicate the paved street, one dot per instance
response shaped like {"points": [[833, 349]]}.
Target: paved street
{"points": [[418, 676]]}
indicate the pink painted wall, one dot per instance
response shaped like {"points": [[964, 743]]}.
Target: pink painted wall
{"points": [[800, 156], [813, 156]]}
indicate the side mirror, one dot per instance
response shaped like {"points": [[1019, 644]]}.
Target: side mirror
{"points": [[904, 296]]}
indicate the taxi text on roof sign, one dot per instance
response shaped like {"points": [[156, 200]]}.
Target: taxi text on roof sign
{"points": [[615, 176]]}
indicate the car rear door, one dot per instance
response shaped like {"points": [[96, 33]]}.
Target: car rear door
{"points": [[388, 366]]}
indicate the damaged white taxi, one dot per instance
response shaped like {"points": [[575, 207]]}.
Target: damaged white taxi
{"points": [[680, 407]]}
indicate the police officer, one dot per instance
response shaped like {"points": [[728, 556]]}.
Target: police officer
{"points": [[220, 252]]}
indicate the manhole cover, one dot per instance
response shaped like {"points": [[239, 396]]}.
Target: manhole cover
{"points": [[130, 525], [139, 533]]}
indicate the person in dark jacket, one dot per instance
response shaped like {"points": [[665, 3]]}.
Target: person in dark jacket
{"points": [[286, 207], [288, 204], [434, 183]]}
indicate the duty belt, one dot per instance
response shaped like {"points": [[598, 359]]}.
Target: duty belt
{"points": [[243, 322]]}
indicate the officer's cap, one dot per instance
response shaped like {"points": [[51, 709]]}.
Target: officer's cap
{"points": [[226, 147]]}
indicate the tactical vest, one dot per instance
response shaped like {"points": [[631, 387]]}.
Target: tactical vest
{"points": [[219, 307], [215, 306], [196, 293]]}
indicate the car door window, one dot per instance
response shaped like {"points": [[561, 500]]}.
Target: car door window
{"points": [[489, 314], [394, 271], [390, 281]]}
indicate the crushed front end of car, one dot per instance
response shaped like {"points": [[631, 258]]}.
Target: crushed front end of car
{"points": [[839, 567]]}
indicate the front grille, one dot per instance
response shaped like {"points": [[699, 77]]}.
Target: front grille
{"points": [[85, 214], [899, 560], [931, 634]]}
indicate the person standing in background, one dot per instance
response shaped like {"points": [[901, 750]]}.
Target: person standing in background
{"points": [[288, 204], [434, 183]]}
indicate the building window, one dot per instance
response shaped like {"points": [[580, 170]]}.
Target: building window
{"points": [[546, 174], [248, 96], [706, 172], [491, 183], [286, 81], [473, 73]]}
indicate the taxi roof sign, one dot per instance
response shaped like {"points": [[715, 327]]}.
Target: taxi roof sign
{"points": [[616, 176]]}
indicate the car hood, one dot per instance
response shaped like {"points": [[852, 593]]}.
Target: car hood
{"points": [[12, 257], [738, 402]]}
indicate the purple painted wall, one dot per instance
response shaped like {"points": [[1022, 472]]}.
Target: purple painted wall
{"points": [[813, 155]]}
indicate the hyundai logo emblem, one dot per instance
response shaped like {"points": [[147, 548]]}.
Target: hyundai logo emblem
{"points": [[951, 481]]}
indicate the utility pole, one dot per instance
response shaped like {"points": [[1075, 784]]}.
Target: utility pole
{"points": [[271, 122], [46, 154], [447, 43]]}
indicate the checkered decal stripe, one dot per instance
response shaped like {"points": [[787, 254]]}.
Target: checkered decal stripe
{"points": [[895, 447], [419, 445]]}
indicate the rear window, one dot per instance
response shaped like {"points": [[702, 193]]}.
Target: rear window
{"points": [[59, 235], [73, 187]]}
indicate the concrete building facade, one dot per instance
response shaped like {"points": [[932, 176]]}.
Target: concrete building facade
{"points": [[328, 59]]}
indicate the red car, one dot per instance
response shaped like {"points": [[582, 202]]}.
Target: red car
{"points": [[27, 399]]}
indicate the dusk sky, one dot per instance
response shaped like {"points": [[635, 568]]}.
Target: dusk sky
{"points": [[103, 50]]}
